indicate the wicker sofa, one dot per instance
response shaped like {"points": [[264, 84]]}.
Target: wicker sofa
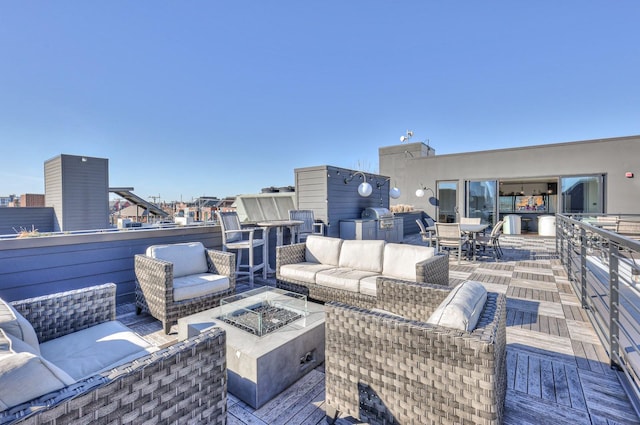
{"points": [[176, 280], [333, 269], [390, 366], [124, 380]]}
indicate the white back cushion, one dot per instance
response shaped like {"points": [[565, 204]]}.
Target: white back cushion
{"points": [[322, 249], [400, 260], [365, 255], [15, 324], [187, 258], [24, 375], [462, 307]]}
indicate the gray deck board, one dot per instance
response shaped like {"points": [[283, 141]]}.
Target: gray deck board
{"points": [[557, 370]]}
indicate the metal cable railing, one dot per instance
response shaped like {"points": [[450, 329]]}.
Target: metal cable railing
{"points": [[604, 269]]}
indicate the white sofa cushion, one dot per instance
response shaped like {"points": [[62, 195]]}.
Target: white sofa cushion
{"points": [[342, 278], [400, 260], [197, 285], [322, 249], [462, 307], [24, 375], [102, 347], [187, 258], [303, 272], [365, 255], [15, 324]]}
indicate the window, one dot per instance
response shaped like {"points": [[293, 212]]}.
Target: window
{"points": [[583, 194]]}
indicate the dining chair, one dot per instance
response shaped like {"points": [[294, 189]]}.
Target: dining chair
{"points": [[492, 240], [427, 235], [430, 222], [450, 237], [309, 225], [237, 238]]}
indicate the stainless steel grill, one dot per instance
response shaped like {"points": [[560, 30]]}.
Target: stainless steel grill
{"points": [[382, 215]]}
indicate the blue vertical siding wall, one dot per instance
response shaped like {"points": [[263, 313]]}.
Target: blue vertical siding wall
{"points": [[37, 266]]}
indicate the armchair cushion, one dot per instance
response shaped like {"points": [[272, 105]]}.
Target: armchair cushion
{"points": [[99, 348], [15, 324], [187, 258], [197, 285], [25, 375], [365, 255], [462, 307], [321, 249], [400, 260]]}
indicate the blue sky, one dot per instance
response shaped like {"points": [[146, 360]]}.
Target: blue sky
{"points": [[220, 98]]}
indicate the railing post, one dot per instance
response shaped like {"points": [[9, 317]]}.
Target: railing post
{"points": [[560, 238], [614, 311], [569, 242], [558, 233], [583, 267]]}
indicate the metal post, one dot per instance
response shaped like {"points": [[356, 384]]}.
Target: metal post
{"points": [[583, 267], [614, 311], [569, 251]]}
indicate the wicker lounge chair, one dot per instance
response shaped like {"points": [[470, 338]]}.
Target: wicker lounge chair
{"points": [[184, 383], [381, 368], [155, 291]]}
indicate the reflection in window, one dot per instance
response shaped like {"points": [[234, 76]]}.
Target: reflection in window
{"points": [[482, 200], [582, 194], [447, 205]]}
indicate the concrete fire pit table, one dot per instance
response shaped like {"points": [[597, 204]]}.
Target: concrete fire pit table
{"points": [[274, 337]]}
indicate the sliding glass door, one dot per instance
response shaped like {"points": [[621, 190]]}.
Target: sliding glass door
{"points": [[482, 200]]}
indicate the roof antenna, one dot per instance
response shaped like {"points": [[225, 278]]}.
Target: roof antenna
{"points": [[406, 137]]}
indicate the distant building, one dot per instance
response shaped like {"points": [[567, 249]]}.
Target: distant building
{"points": [[32, 200], [7, 201], [77, 188]]}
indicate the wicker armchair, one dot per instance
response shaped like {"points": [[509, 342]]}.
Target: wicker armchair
{"points": [[384, 369], [184, 383], [155, 290]]}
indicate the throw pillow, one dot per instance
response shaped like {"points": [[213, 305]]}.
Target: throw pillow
{"points": [[462, 307]]}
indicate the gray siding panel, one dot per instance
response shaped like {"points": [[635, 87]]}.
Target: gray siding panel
{"points": [[13, 220], [38, 266], [323, 190], [77, 187]]}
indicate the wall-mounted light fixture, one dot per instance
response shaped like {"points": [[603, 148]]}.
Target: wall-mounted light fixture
{"points": [[364, 189], [423, 190], [394, 192]]}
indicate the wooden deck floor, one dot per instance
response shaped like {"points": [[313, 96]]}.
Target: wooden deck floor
{"points": [[558, 371]]}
